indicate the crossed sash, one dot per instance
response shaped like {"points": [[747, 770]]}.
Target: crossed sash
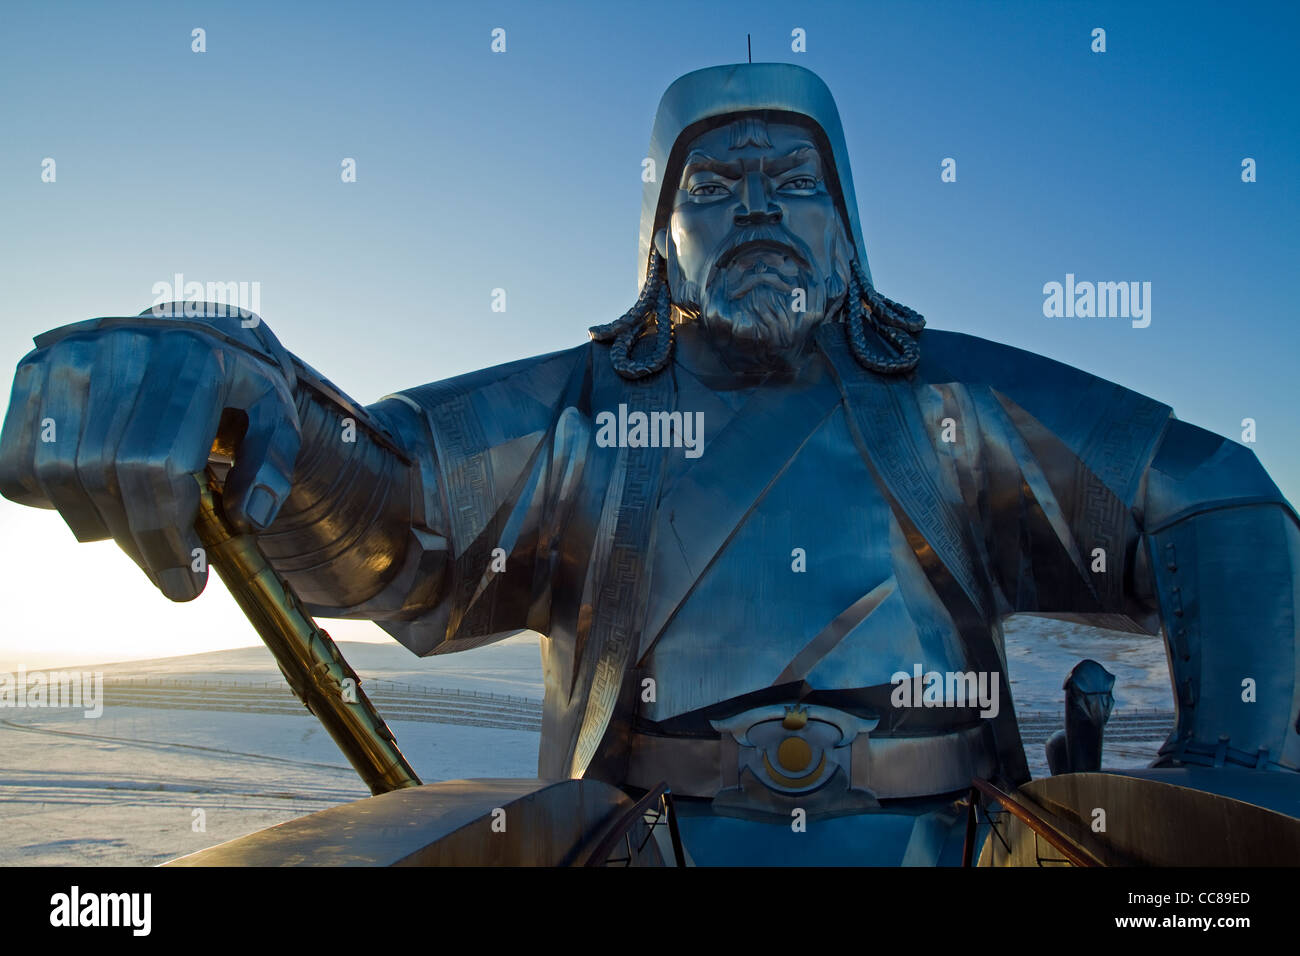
{"points": [[638, 587]]}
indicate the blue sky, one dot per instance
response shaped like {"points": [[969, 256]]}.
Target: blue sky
{"points": [[521, 171]]}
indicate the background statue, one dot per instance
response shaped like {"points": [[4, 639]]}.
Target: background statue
{"points": [[1088, 703], [728, 610]]}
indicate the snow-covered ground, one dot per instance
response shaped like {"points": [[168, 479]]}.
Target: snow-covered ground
{"points": [[1040, 654], [123, 789], [133, 786]]}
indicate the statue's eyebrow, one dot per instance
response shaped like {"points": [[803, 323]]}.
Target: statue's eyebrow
{"points": [[699, 161], [796, 157]]}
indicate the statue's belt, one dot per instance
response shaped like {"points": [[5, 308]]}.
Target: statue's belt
{"points": [[771, 756]]}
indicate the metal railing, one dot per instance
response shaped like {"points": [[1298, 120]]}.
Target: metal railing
{"points": [[1076, 849]]}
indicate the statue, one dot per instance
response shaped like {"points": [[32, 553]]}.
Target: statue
{"points": [[766, 522], [1088, 702]]}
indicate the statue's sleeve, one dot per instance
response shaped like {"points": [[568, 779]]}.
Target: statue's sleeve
{"points": [[1096, 504], [439, 543], [1062, 464], [1224, 549]]}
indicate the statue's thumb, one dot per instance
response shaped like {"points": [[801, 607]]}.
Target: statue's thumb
{"points": [[262, 476]]}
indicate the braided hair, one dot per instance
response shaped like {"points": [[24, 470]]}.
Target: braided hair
{"points": [[893, 324], [626, 331]]}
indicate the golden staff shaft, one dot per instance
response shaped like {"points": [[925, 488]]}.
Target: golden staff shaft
{"points": [[307, 655]]}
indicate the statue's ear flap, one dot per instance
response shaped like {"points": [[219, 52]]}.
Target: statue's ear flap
{"points": [[661, 242]]}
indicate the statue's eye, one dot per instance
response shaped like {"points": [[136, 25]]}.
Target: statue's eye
{"points": [[710, 190], [800, 184]]}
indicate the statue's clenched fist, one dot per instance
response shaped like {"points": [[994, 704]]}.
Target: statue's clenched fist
{"points": [[111, 423]]}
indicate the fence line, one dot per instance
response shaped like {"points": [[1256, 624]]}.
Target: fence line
{"points": [[369, 685], [398, 687], [1127, 712]]}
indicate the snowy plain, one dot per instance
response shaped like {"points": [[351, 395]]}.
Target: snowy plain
{"points": [[142, 785]]}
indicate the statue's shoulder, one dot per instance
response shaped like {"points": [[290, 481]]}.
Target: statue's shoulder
{"points": [[976, 361], [536, 382], [1090, 414], [1020, 375]]}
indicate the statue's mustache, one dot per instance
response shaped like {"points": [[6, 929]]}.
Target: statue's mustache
{"points": [[761, 274], [761, 238]]}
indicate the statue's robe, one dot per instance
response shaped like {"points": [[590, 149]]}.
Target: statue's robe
{"points": [[668, 592]]}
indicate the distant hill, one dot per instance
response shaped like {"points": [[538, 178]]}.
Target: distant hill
{"points": [[511, 666], [1040, 652]]}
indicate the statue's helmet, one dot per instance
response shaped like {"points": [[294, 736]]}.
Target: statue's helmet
{"points": [[879, 330], [714, 96]]}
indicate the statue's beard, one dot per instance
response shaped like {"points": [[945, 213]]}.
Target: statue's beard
{"points": [[751, 308]]}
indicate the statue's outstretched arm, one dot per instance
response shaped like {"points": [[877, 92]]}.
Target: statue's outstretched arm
{"points": [[361, 533], [1224, 547], [427, 519], [112, 420]]}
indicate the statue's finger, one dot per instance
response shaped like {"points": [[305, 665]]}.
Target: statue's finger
{"points": [[63, 410], [163, 448], [120, 366], [259, 483], [21, 434]]}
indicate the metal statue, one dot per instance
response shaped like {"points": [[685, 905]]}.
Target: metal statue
{"points": [[1088, 703], [767, 523]]}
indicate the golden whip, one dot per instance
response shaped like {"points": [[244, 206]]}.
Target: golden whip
{"points": [[307, 655]]}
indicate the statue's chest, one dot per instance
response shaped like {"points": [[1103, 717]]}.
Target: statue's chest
{"points": [[814, 582]]}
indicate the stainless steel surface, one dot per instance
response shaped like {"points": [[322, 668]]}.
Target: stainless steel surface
{"points": [[1075, 848], [504, 822], [1088, 703], [1188, 816], [870, 496], [714, 95]]}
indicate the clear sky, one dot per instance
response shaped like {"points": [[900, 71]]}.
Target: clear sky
{"points": [[521, 170]]}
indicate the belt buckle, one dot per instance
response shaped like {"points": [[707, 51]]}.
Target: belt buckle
{"points": [[780, 757]]}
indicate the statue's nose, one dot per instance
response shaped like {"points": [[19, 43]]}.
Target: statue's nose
{"points": [[756, 207]]}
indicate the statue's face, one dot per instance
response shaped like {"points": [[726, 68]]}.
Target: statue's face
{"points": [[756, 248]]}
